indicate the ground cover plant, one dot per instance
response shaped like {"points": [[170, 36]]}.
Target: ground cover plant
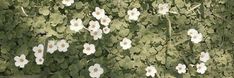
{"points": [[116, 38]]}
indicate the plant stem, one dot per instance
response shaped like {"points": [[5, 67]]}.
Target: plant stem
{"points": [[169, 39], [22, 8], [193, 8]]}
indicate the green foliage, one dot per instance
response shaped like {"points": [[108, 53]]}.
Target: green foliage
{"points": [[49, 19]]}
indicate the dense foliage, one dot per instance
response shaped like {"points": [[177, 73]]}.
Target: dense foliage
{"points": [[152, 41]]}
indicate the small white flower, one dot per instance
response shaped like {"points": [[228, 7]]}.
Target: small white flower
{"points": [[126, 43], [39, 61], [68, 2], [196, 38], [106, 30], [95, 71], [98, 13], [20, 61], [76, 25], [201, 68], [181, 68], [192, 32], [89, 49], [163, 8], [62, 45], [105, 20], [133, 14], [96, 34], [38, 50], [93, 26], [150, 71], [204, 56], [51, 46]]}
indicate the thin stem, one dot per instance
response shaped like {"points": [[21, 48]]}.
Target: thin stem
{"points": [[169, 39], [22, 8], [193, 8]]}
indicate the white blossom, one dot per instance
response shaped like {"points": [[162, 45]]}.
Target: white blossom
{"points": [[62, 45], [181, 68], [95, 71], [196, 38], [201, 68], [68, 2], [76, 25], [38, 50], [51, 46], [192, 32], [96, 34], [39, 61], [163, 8], [93, 26], [150, 71], [20, 61], [89, 49], [98, 13], [133, 14], [126, 43], [106, 30], [105, 20], [204, 56]]}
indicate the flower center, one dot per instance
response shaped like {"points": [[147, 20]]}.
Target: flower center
{"points": [[93, 26], [125, 43], [180, 68], [98, 13], [202, 56], [95, 33], [39, 51], [161, 8], [88, 48], [199, 67], [21, 60], [195, 37], [40, 60], [62, 45], [104, 20], [50, 45], [76, 24], [95, 69], [149, 70], [132, 13]]}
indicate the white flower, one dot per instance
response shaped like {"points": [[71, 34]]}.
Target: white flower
{"points": [[89, 49], [76, 25], [20, 61], [181, 68], [51, 46], [62, 45], [126, 43], [133, 14], [68, 2], [150, 71], [99, 13], [39, 61], [201, 68], [95, 71], [38, 50], [196, 38], [192, 32], [106, 30], [96, 34], [204, 56], [163, 8], [105, 20], [93, 26]]}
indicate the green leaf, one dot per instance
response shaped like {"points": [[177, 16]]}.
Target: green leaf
{"points": [[44, 11]]}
